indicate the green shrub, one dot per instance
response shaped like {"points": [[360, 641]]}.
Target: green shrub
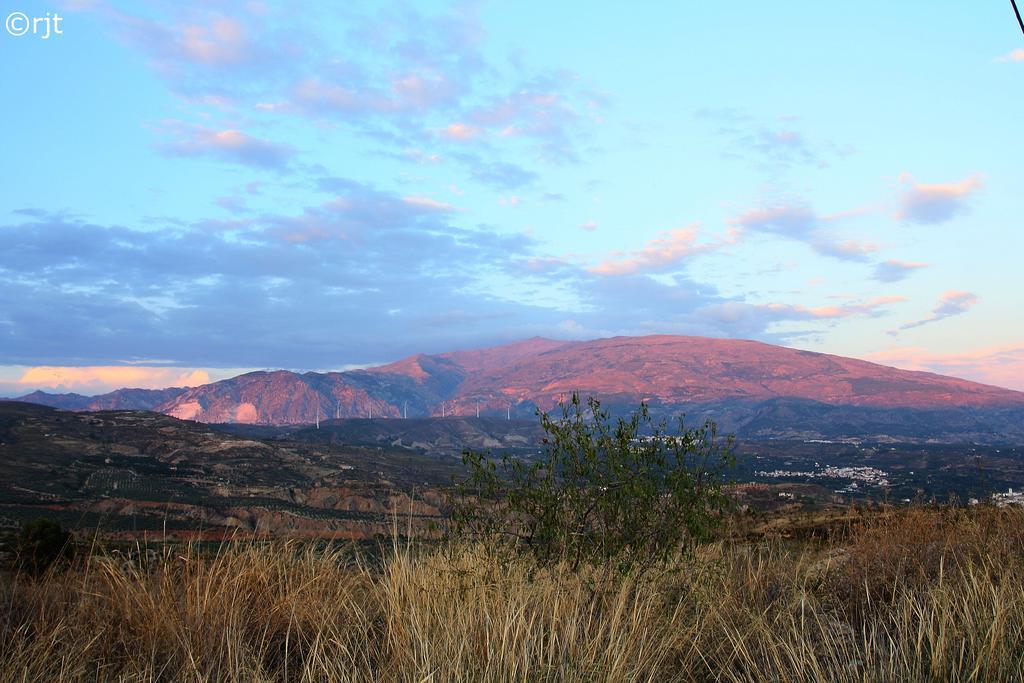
{"points": [[619, 492], [40, 544]]}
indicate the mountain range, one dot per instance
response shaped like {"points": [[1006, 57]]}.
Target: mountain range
{"points": [[747, 386]]}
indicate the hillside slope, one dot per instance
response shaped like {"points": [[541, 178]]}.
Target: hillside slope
{"points": [[671, 373]]}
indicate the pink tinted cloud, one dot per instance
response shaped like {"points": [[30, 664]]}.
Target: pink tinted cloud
{"points": [[664, 251], [543, 264], [221, 42], [790, 220], [1015, 55], [188, 36], [950, 303], [756, 317], [999, 365], [227, 144], [407, 93], [852, 250], [460, 131], [802, 223], [422, 90], [313, 93], [841, 311], [355, 212], [428, 203], [894, 271], [931, 203], [101, 378], [545, 111]]}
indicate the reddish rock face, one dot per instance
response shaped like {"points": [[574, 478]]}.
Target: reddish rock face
{"points": [[670, 370]]}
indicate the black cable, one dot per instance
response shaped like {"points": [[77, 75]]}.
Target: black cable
{"points": [[1017, 12]]}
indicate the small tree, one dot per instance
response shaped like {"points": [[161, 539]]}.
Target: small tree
{"points": [[624, 492], [40, 543]]}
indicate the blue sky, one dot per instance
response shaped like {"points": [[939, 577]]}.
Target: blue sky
{"points": [[191, 189]]}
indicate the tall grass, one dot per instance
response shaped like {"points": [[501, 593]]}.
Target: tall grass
{"points": [[912, 596]]}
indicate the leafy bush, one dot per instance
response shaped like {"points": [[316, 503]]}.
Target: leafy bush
{"points": [[623, 492], [40, 544]]}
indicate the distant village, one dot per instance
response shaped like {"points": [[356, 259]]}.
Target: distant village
{"points": [[1011, 497], [856, 475]]}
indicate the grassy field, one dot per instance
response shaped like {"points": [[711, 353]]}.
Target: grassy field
{"points": [[913, 595]]}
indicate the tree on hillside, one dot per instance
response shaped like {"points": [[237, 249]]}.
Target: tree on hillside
{"points": [[625, 492]]}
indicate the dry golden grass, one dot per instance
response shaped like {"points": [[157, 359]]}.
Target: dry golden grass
{"points": [[911, 596]]}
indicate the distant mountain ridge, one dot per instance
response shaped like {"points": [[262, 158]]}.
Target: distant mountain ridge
{"points": [[671, 373], [120, 399]]}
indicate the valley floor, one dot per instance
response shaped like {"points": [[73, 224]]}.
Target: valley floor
{"points": [[908, 595]]}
